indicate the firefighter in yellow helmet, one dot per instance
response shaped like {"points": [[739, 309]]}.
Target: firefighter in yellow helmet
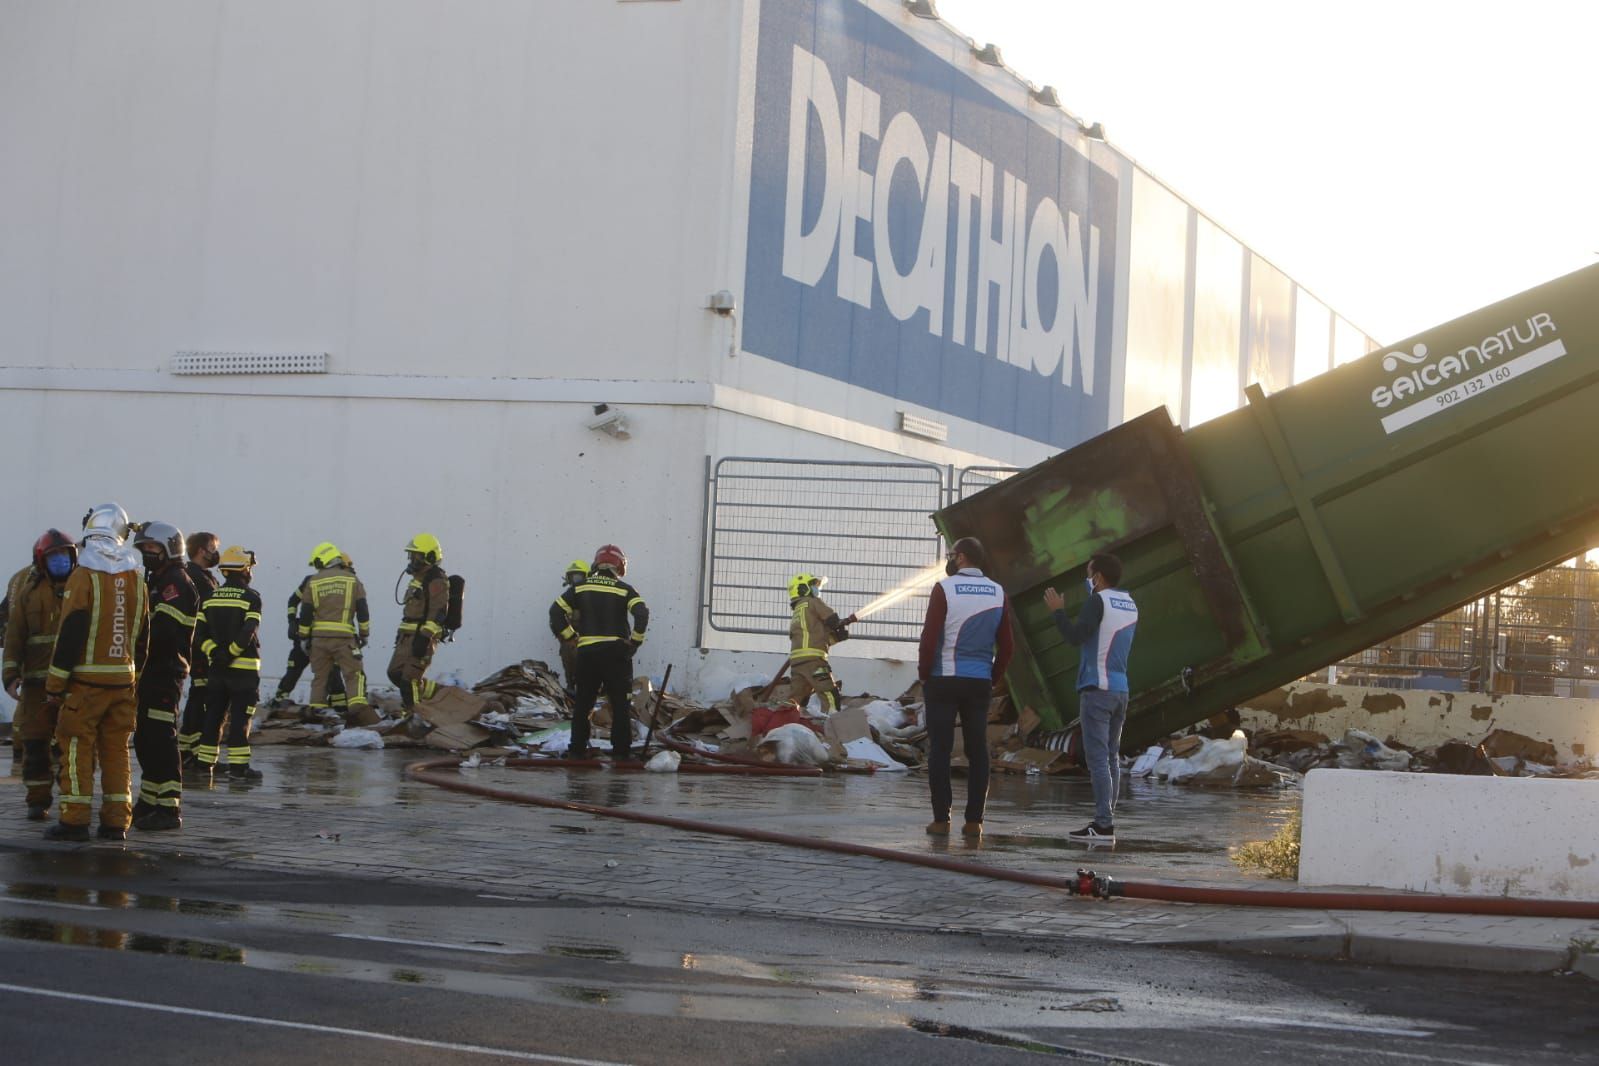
{"points": [[577, 572], [812, 630], [99, 650], [228, 633], [424, 609], [334, 625]]}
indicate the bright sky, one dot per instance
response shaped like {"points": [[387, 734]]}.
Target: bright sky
{"points": [[1405, 161]]}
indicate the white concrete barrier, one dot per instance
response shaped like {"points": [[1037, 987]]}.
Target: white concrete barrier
{"points": [[1478, 836]]}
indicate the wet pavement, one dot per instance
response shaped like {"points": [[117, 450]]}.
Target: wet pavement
{"points": [[181, 958]]}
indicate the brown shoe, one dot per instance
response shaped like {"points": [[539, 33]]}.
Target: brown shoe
{"points": [[972, 830], [938, 829]]}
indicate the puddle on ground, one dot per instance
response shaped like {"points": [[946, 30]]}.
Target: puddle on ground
{"points": [[112, 899], [598, 952], [66, 933], [1017, 1043]]}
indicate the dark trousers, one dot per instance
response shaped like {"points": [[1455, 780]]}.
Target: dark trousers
{"points": [[193, 715], [949, 698], [608, 666], [230, 701], [155, 742]]}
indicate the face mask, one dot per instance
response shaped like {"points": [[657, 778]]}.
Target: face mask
{"points": [[208, 559], [58, 565], [152, 562], [1088, 581]]}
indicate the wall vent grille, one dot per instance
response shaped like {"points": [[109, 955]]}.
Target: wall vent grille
{"points": [[250, 363]]}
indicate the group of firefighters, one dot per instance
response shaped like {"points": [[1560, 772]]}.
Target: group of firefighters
{"points": [[101, 633]]}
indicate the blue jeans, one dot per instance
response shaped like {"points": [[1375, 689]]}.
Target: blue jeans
{"points": [[1103, 714]]}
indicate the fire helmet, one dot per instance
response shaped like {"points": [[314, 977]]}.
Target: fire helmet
{"points": [[237, 558], [427, 546], [610, 557], [804, 585], [106, 520], [325, 554], [52, 540], [160, 535]]}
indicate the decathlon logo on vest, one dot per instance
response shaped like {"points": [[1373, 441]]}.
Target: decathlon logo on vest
{"points": [[977, 590]]}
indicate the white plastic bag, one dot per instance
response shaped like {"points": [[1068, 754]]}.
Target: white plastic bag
{"points": [[664, 762], [360, 739], [796, 745]]}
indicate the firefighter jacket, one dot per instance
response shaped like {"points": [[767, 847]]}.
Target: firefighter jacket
{"points": [[31, 628], [227, 630], [13, 595], [600, 610], [104, 631], [332, 603], [813, 629], [173, 607], [205, 583], [427, 603]]}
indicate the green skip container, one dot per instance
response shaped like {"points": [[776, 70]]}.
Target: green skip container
{"points": [[1308, 525]]}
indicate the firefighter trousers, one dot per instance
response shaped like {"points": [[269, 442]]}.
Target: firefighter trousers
{"points": [[336, 658], [406, 670], [813, 675], [93, 730], [607, 666], [193, 715], [35, 728], [299, 660], [155, 743], [230, 707]]}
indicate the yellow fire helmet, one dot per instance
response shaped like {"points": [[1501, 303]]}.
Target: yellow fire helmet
{"points": [[237, 558], [325, 554], [427, 546], [578, 566], [804, 585]]}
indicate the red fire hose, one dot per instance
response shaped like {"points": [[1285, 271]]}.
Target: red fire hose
{"points": [[1086, 883]]}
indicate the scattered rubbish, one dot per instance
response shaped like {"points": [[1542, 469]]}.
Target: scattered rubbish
{"points": [[611, 864], [868, 750], [360, 739], [1145, 763], [664, 762], [1502, 743], [1361, 750], [794, 744], [472, 762], [331, 838]]}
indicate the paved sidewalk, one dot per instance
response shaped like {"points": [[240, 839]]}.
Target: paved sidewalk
{"points": [[354, 812]]}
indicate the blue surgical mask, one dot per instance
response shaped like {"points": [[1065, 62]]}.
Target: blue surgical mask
{"points": [[1089, 583], [58, 565]]}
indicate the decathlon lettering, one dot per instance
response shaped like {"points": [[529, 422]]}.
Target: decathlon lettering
{"points": [[1009, 270]]}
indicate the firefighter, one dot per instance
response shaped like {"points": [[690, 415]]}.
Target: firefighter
{"points": [[99, 650], [576, 573], [14, 592], [30, 635], [204, 551], [174, 604], [334, 626], [228, 633], [606, 617], [814, 628], [425, 607], [299, 658]]}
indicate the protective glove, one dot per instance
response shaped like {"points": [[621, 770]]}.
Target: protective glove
{"points": [[419, 646], [633, 647], [294, 631]]}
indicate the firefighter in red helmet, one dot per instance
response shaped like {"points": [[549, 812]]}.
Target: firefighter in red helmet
{"points": [[607, 617]]}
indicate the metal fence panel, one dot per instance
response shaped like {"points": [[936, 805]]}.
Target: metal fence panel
{"points": [[863, 525], [975, 479]]}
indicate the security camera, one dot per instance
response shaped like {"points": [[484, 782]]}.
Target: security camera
{"points": [[611, 420]]}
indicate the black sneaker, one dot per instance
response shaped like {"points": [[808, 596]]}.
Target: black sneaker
{"points": [[77, 834], [110, 832], [245, 773], [1094, 834], [37, 813]]}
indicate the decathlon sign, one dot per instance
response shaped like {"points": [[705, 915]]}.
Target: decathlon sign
{"points": [[912, 233]]}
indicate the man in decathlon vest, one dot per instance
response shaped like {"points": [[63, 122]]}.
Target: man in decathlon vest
{"points": [[966, 645], [1104, 632]]}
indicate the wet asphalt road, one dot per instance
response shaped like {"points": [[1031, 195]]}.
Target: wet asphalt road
{"points": [[188, 963]]}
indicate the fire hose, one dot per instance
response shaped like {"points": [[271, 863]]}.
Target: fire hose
{"points": [[1085, 883]]}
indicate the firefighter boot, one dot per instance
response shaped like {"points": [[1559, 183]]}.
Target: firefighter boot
{"points": [[244, 773], [159, 819], [77, 834]]}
